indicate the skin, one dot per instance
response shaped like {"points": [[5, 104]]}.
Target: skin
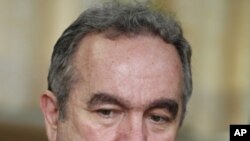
{"points": [[128, 89]]}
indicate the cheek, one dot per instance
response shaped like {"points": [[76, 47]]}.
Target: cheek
{"points": [[166, 136], [87, 129]]}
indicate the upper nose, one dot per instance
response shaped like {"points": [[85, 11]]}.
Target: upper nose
{"points": [[134, 129]]}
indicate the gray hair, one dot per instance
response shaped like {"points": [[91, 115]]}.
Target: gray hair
{"points": [[120, 19]]}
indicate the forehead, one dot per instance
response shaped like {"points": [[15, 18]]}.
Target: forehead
{"points": [[122, 65], [134, 50]]}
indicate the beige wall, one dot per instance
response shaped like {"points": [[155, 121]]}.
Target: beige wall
{"points": [[218, 30], [219, 33]]}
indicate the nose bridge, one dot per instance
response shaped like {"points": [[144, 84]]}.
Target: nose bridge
{"points": [[135, 129]]}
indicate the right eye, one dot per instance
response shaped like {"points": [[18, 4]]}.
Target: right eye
{"points": [[107, 113]]}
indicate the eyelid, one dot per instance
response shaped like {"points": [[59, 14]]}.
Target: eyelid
{"points": [[102, 98], [111, 114], [165, 118], [106, 106], [113, 109], [161, 113]]}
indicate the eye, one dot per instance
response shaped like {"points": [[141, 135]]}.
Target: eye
{"points": [[157, 119], [106, 113]]}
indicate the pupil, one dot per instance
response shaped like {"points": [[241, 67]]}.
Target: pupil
{"points": [[156, 118], [106, 112]]}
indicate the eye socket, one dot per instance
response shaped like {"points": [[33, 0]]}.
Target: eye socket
{"points": [[106, 113], [158, 119]]}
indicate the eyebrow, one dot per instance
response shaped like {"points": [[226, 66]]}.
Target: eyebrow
{"points": [[168, 104], [100, 98], [105, 98]]}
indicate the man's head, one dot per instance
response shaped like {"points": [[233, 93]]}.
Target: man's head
{"points": [[119, 72]]}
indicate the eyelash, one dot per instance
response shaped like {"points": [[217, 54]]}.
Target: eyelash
{"points": [[107, 113], [158, 119]]}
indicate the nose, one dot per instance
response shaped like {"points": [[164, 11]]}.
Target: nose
{"points": [[134, 129]]}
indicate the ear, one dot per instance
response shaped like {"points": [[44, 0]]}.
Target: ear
{"points": [[48, 105]]}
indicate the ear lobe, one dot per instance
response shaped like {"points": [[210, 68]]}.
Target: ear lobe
{"points": [[48, 105]]}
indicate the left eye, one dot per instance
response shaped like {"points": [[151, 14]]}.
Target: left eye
{"points": [[159, 119]]}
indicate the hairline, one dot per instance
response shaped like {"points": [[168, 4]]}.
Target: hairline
{"points": [[74, 34]]}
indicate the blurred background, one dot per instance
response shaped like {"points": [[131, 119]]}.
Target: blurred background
{"points": [[218, 30]]}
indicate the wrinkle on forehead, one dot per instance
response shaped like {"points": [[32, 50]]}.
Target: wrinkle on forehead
{"points": [[143, 59], [135, 52]]}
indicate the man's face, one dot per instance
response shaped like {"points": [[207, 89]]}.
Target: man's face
{"points": [[128, 89]]}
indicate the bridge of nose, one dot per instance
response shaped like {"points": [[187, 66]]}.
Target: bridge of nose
{"points": [[133, 127]]}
